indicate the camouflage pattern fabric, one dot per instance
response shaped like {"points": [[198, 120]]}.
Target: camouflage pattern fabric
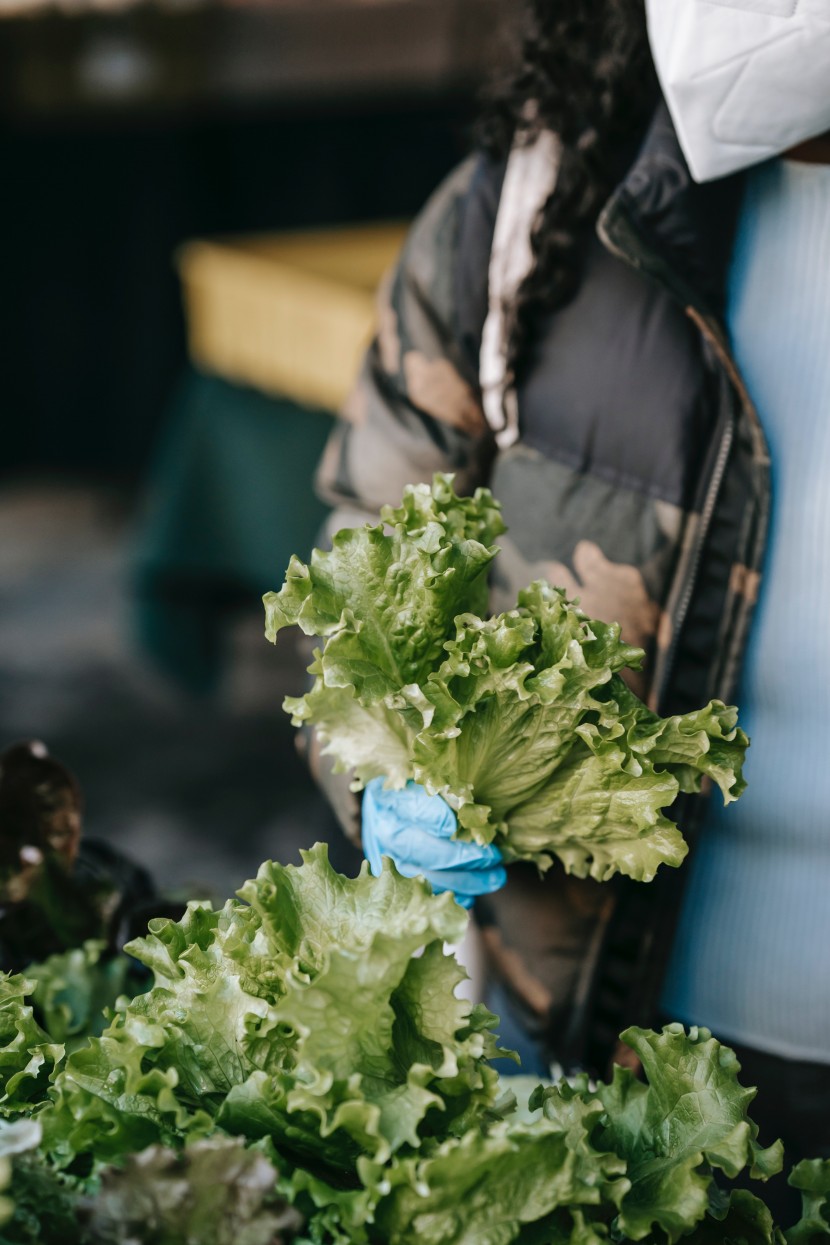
{"points": [[671, 549]]}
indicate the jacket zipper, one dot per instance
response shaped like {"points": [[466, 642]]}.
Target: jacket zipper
{"points": [[631, 256], [761, 461], [682, 607]]}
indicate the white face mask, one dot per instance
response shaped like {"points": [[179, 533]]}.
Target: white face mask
{"points": [[744, 79]]}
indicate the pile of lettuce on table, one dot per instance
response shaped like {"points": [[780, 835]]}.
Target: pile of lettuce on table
{"points": [[299, 1067]]}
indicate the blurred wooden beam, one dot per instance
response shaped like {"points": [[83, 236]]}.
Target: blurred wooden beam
{"points": [[281, 52]]}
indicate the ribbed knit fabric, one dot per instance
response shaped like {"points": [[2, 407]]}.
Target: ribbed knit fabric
{"points": [[752, 956]]}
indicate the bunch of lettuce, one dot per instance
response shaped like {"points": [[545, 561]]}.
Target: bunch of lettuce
{"points": [[316, 1019], [302, 1019], [521, 721], [299, 1015], [637, 1161]]}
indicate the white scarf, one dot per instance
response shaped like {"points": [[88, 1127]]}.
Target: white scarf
{"points": [[528, 181]]}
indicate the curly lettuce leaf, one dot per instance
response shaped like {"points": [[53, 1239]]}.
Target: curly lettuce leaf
{"points": [[812, 1178], [379, 1040], [73, 991], [303, 1013], [28, 1058], [704, 744], [356, 939], [522, 722], [335, 1215], [511, 693], [111, 1098], [598, 818], [489, 1186], [670, 1134], [366, 741], [537, 742], [385, 597], [690, 1118]]}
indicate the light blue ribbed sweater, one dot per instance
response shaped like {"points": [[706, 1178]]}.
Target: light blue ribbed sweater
{"points": [[752, 956]]}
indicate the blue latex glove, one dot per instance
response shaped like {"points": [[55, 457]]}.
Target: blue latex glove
{"points": [[415, 830]]}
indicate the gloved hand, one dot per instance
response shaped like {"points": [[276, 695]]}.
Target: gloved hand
{"points": [[415, 830]]}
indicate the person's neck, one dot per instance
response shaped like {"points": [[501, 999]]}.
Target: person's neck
{"points": [[814, 151]]}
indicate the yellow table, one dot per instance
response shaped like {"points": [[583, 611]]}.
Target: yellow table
{"points": [[288, 314]]}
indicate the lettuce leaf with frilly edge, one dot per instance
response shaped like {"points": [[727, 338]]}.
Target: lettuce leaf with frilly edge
{"points": [[521, 721]]}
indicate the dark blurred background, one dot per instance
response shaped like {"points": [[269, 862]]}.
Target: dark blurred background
{"points": [[148, 498]]}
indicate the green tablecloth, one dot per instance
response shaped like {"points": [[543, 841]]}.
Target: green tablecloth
{"points": [[230, 500]]}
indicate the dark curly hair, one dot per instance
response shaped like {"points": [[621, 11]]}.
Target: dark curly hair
{"points": [[586, 67]]}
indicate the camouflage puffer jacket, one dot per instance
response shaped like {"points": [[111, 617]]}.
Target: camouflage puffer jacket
{"points": [[640, 483]]}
